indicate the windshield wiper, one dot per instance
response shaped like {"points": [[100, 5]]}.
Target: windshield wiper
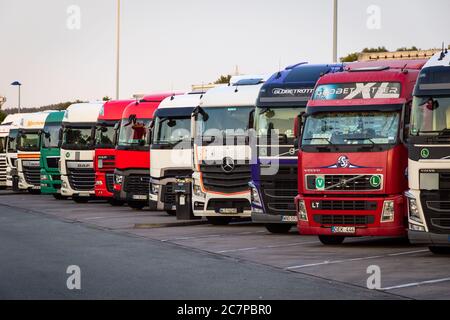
{"points": [[321, 138]]}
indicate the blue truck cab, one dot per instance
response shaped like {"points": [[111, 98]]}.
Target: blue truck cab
{"points": [[274, 171]]}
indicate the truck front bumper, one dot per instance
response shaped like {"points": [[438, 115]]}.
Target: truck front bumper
{"points": [[428, 238]]}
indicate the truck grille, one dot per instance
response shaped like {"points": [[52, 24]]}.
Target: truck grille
{"points": [[110, 182], [215, 179], [436, 207], [137, 184], [2, 169], [81, 179], [169, 196], [343, 205], [344, 183], [32, 175], [343, 219], [278, 196], [52, 163]]}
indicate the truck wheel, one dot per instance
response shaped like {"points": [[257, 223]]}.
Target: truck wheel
{"points": [[3, 188], [171, 212], [219, 221], [278, 228], [136, 205], [59, 196], [116, 203], [80, 199], [439, 250], [331, 240]]}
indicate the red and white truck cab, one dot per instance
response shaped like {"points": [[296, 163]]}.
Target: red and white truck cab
{"points": [[105, 149], [353, 154], [132, 172]]}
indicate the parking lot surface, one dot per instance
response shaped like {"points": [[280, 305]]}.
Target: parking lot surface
{"points": [[243, 254]]}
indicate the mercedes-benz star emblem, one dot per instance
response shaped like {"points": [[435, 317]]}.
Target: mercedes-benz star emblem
{"points": [[227, 164]]}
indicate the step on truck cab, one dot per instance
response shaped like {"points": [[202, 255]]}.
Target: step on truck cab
{"points": [[77, 151], [50, 154], [282, 98], [12, 178], [353, 153], [429, 157], [171, 149], [105, 149], [221, 143], [132, 172], [5, 127], [29, 151]]}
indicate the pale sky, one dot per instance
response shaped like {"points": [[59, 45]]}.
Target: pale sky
{"points": [[171, 44]]}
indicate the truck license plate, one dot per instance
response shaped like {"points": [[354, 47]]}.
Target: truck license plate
{"points": [[343, 229], [139, 197], [289, 219], [228, 210]]}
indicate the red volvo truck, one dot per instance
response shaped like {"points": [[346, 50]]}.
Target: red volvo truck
{"points": [[132, 172], [105, 149], [353, 153]]}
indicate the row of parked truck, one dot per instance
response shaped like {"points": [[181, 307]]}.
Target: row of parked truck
{"points": [[339, 150]]}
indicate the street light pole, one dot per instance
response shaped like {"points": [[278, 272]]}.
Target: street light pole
{"points": [[335, 29], [118, 51], [18, 84]]}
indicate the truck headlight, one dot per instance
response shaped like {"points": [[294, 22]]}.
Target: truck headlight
{"points": [[198, 191], [301, 210], [154, 188], [255, 197], [413, 210], [118, 179], [388, 214]]}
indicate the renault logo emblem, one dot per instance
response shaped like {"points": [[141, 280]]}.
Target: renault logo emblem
{"points": [[227, 165]]}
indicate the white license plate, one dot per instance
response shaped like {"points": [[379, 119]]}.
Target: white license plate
{"points": [[35, 187], [289, 219], [343, 229], [84, 195], [228, 210], [139, 197]]}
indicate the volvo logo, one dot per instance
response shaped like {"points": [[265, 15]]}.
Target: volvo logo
{"points": [[343, 162], [227, 165]]}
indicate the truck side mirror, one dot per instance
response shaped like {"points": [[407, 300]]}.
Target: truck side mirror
{"points": [[151, 126], [251, 119], [298, 125]]}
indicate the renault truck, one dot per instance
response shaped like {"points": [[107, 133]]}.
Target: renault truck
{"points": [[429, 157], [132, 172], [221, 136], [105, 149], [353, 154], [50, 154], [29, 151], [282, 99], [171, 149], [77, 151]]}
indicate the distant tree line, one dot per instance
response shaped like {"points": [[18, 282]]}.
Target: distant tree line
{"points": [[351, 57], [55, 106]]}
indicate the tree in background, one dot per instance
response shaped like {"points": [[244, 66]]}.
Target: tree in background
{"points": [[2, 116], [354, 55], [413, 48], [56, 106], [106, 98], [223, 79]]}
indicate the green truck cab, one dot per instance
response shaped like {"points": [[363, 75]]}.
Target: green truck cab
{"points": [[50, 154]]}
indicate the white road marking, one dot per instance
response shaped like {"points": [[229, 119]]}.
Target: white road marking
{"points": [[211, 236], [267, 247], [416, 284], [326, 262]]}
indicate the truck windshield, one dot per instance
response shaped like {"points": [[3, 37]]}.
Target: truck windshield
{"points": [[77, 138], [12, 141], [2, 144], [50, 136], [351, 128], [430, 116], [279, 119], [28, 141], [171, 131], [105, 134], [224, 121], [133, 133]]}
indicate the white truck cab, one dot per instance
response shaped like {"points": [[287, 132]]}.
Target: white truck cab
{"points": [[221, 150], [8, 123], [28, 151], [13, 121], [77, 151], [171, 149]]}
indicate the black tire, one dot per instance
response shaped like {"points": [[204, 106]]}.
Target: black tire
{"points": [[80, 199], [278, 228], [439, 250], [59, 196], [331, 240], [219, 221], [3, 187], [116, 203], [171, 212], [136, 205], [35, 192]]}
